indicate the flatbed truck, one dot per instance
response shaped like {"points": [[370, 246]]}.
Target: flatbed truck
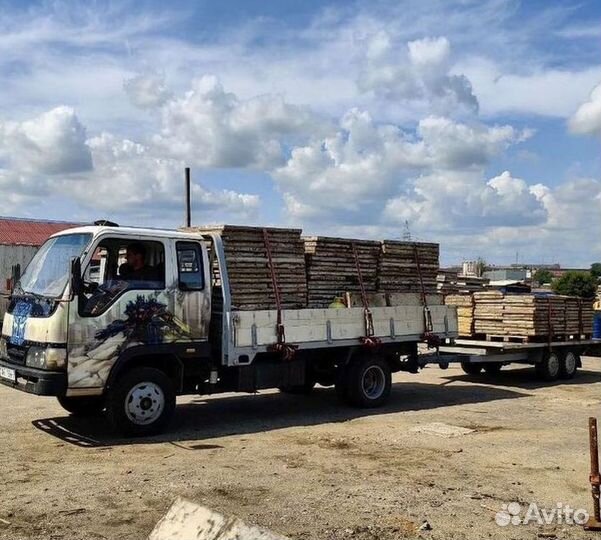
{"points": [[82, 327]]}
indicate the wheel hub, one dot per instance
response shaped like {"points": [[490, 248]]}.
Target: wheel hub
{"points": [[144, 403], [570, 362], [374, 382]]}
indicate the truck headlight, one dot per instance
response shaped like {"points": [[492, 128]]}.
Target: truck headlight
{"points": [[46, 357], [3, 350]]}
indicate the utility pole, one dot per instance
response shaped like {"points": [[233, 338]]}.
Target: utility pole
{"points": [[188, 209]]}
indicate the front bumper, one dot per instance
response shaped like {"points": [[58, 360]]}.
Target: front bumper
{"points": [[36, 381]]}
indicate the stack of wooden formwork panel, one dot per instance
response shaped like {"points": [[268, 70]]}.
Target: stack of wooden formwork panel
{"points": [[465, 312], [250, 280], [530, 315], [332, 271], [398, 266]]}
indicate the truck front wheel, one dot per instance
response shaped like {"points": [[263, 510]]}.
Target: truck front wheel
{"points": [[141, 402], [368, 382], [82, 405]]}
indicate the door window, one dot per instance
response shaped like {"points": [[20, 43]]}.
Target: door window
{"points": [[118, 265], [189, 264]]}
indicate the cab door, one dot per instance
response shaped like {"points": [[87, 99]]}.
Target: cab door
{"points": [[193, 298]]}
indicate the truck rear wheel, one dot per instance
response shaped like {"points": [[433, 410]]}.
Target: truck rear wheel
{"points": [[569, 365], [368, 382], [82, 405], [471, 369], [548, 369], [141, 402]]}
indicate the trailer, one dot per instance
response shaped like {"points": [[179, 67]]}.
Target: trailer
{"points": [[552, 359], [122, 320]]}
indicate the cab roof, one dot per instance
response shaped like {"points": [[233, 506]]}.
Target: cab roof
{"points": [[129, 231]]}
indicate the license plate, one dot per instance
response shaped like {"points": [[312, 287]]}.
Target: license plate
{"points": [[8, 373]]}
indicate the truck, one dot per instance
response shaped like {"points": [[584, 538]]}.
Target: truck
{"points": [[81, 327]]}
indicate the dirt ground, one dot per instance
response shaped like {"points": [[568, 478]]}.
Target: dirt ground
{"points": [[310, 468]]}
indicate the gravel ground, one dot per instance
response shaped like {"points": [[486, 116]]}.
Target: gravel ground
{"points": [[438, 462]]}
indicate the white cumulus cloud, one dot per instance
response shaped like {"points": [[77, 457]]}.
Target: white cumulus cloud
{"points": [[367, 171], [587, 119], [52, 143], [147, 91], [421, 71], [210, 127]]}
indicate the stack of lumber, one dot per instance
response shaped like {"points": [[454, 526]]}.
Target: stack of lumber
{"points": [[331, 268], [465, 311], [469, 284], [530, 315], [398, 270], [446, 282], [247, 265]]}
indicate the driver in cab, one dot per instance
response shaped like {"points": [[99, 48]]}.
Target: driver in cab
{"points": [[136, 269]]}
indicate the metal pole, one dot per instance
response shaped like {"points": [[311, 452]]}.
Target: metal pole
{"points": [[594, 522], [188, 220]]}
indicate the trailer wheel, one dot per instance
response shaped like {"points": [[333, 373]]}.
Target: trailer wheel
{"points": [[569, 365], [141, 402], [493, 368], [549, 368], [369, 382], [82, 405], [471, 369]]}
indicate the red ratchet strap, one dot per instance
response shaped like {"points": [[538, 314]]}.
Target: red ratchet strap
{"points": [[431, 339], [369, 340], [280, 346]]}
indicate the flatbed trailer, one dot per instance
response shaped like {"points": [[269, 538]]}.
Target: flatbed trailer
{"points": [[555, 359]]}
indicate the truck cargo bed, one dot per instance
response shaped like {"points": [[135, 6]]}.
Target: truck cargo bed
{"points": [[257, 329]]}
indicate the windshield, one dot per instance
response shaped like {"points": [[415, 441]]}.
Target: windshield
{"points": [[48, 272]]}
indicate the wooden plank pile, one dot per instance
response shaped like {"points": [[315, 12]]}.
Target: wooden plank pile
{"points": [[525, 315], [398, 271], [248, 269], [465, 312], [331, 268]]}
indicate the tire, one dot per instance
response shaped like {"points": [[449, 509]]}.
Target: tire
{"points": [[369, 382], [82, 405], [299, 389], [569, 365], [141, 402], [549, 368], [493, 368], [471, 369]]}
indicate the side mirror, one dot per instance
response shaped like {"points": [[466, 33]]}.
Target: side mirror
{"points": [[76, 281]]}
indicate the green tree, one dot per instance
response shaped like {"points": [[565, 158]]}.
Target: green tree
{"points": [[581, 284], [596, 270], [543, 276]]}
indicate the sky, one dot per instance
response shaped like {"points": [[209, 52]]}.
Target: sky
{"points": [[472, 123]]}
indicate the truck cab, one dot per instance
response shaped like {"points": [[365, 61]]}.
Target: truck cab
{"points": [[94, 302]]}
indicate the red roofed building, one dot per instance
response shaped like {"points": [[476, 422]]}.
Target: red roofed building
{"points": [[29, 232], [20, 238]]}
